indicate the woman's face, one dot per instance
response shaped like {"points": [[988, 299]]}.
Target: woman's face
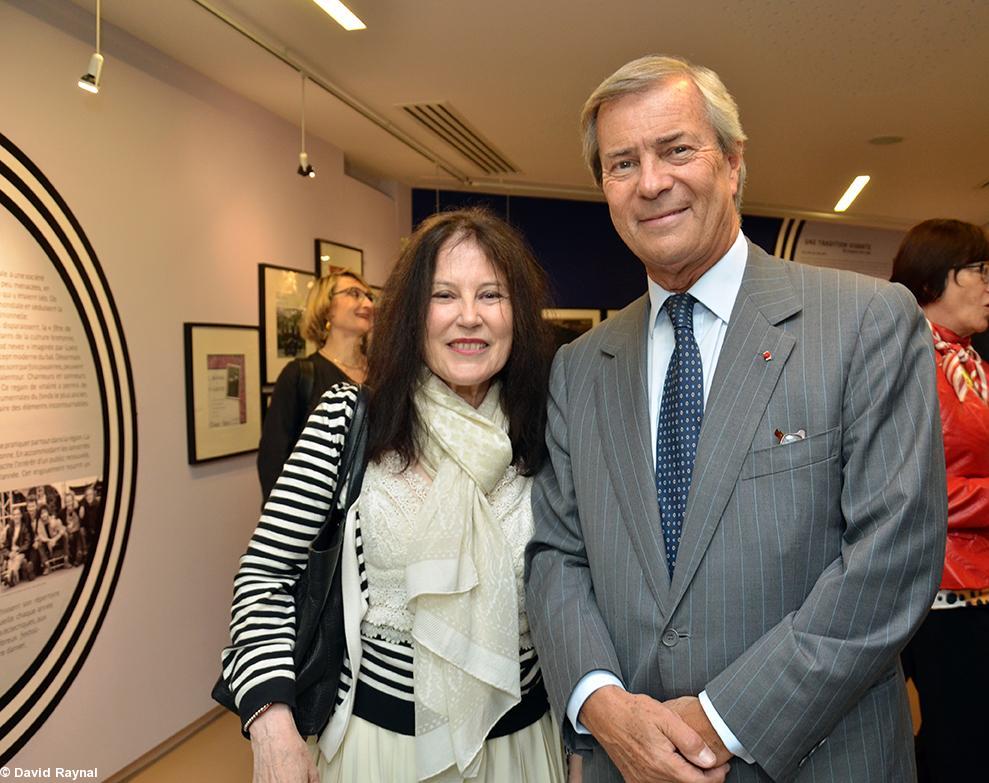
{"points": [[469, 322], [964, 305], [351, 308]]}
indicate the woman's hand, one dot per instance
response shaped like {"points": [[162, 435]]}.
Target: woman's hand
{"points": [[280, 754]]}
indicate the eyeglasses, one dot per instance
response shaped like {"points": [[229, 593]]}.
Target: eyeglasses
{"points": [[356, 293], [982, 267]]}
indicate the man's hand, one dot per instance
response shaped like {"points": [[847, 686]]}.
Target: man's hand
{"points": [[647, 741], [280, 754], [690, 710]]}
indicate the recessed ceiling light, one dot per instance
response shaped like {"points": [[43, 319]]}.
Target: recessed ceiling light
{"points": [[342, 15], [853, 190], [883, 141]]}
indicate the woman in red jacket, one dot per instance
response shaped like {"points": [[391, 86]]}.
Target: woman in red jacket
{"points": [[945, 263]]}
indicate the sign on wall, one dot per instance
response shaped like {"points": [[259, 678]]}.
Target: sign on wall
{"points": [[861, 249], [67, 447]]}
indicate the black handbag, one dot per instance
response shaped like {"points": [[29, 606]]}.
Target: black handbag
{"points": [[319, 634]]}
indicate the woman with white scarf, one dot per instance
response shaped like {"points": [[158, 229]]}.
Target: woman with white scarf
{"points": [[441, 682]]}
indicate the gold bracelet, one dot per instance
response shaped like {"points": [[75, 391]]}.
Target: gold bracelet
{"points": [[257, 715]]}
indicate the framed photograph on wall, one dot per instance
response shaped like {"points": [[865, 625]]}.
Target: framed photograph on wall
{"points": [[282, 296], [222, 390], [334, 257], [570, 323]]}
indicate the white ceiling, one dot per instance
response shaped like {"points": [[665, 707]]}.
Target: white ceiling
{"points": [[814, 82]]}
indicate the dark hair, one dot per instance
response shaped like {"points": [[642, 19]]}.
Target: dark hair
{"points": [[933, 249], [397, 353]]}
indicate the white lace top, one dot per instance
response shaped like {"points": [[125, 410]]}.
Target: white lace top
{"points": [[388, 503]]}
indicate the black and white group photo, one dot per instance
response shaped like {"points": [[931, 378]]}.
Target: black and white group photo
{"points": [[47, 528]]}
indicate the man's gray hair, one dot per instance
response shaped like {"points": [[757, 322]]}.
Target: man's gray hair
{"points": [[641, 75]]}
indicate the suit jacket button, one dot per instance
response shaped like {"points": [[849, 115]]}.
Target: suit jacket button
{"points": [[670, 638]]}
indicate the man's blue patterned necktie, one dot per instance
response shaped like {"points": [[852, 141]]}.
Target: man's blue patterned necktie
{"points": [[680, 416]]}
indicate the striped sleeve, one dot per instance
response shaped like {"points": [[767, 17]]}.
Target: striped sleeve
{"points": [[258, 665]]}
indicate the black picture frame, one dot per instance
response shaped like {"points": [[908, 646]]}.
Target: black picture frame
{"points": [[337, 257], [222, 390], [281, 289]]}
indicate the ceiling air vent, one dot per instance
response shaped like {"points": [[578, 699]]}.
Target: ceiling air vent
{"points": [[441, 120]]}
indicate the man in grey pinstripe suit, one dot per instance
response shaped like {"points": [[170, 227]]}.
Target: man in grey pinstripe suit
{"points": [[760, 643]]}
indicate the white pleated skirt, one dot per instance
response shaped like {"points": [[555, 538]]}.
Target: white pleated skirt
{"points": [[371, 754]]}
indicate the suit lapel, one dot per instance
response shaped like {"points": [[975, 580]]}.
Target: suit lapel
{"points": [[623, 423], [743, 383]]}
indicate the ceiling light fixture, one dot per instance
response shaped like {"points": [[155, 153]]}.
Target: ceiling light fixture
{"points": [[90, 81], [281, 53], [305, 169], [342, 15], [853, 190]]}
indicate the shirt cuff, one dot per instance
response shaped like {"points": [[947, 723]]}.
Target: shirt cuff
{"points": [[589, 683], [727, 737]]}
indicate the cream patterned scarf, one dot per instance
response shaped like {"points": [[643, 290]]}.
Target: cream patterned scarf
{"points": [[460, 583]]}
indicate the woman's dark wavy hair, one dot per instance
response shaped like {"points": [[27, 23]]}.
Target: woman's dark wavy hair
{"points": [[934, 249], [397, 353]]}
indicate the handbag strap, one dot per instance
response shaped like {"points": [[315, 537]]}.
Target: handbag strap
{"points": [[352, 461]]}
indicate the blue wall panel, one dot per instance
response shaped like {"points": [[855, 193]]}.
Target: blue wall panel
{"points": [[587, 262]]}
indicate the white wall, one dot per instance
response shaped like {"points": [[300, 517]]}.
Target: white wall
{"points": [[183, 188]]}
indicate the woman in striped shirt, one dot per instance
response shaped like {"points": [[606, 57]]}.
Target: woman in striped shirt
{"points": [[440, 680]]}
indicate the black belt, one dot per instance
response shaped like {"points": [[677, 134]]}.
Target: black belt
{"points": [[398, 715]]}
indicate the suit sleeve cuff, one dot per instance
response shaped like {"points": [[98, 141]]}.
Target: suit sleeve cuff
{"points": [[589, 683], [727, 737]]}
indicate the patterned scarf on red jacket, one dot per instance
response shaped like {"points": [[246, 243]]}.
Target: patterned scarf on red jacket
{"points": [[960, 363]]}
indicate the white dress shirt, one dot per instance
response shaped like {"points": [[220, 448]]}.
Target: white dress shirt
{"points": [[715, 292]]}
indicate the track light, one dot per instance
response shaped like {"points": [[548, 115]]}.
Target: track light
{"points": [[305, 169], [90, 81]]}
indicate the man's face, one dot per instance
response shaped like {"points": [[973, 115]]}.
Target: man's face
{"points": [[669, 187]]}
